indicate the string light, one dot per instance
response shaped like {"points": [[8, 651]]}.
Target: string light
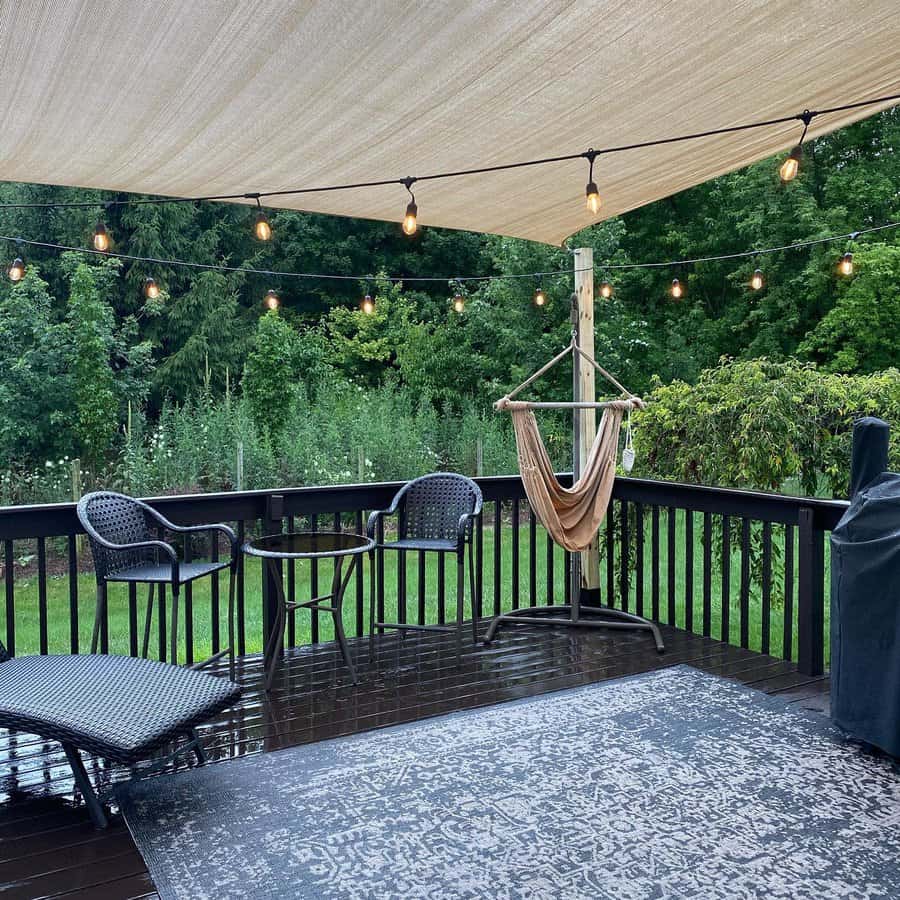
{"points": [[261, 227], [409, 220], [151, 288], [367, 305], [791, 166], [16, 270], [845, 267], [271, 300], [592, 195], [757, 281], [677, 291], [540, 298], [100, 238], [606, 290], [459, 303]]}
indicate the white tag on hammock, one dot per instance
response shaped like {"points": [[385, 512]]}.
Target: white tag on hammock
{"points": [[628, 452]]}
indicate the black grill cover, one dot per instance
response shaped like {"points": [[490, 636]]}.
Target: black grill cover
{"points": [[865, 597]]}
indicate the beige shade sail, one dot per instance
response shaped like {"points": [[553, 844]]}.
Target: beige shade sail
{"points": [[201, 97]]}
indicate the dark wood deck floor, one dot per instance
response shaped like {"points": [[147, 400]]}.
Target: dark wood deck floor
{"points": [[48, 847]]}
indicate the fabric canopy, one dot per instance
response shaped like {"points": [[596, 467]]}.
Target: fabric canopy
{"points": [[197, 98]]}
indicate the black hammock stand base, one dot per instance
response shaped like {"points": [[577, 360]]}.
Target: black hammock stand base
{"points": [[569, 615]]}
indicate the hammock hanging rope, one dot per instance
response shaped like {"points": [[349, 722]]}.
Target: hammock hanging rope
{"points": [[572, 516]]}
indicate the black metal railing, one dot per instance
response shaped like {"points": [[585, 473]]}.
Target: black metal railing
{"points": [[745, 567]]}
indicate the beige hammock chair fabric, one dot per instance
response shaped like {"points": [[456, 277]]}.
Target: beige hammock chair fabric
{"points": [[572, 516]]}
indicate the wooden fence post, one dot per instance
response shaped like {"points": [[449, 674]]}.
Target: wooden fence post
{"points": [[810, 595]]}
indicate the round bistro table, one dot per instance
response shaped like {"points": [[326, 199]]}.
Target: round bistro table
{"points": [[309, 545]]}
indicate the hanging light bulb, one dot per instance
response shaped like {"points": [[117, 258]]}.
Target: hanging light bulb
{"points": [[409, 220], [151, 288], [606, 290], [459, 303], [677, 290], [271, 300], [540, 298], [845, 267], [592, 194], [367, 305], [101, 238], [16, 270], [757, 280], [261, 227], [791, 166]]}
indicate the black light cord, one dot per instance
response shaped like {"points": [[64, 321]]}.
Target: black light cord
{"points": [[272, 273], [806, 117]]}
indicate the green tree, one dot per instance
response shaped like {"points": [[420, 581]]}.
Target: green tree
{"points": [[270, 374]]}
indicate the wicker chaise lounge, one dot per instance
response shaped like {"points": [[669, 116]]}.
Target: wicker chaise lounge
{"points": [[117, 707]]}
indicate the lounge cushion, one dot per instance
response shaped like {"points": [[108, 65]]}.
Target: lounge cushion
{"points": [[117, 707]]}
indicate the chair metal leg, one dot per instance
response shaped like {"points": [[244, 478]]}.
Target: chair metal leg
{"points": [[460, 597], [148, 618], [231, 625], [83, 782], [472, 594], [198, 750], [173, 634], [372, 594], [337, 604], [99, 614]]}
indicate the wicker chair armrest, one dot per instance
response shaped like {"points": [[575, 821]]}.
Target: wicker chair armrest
{"points": [[465, 523], [162, 546], [379, 514], [223, 529]]}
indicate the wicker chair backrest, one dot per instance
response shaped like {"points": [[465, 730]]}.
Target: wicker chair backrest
{"points": [[432, 506], [120, 520]]}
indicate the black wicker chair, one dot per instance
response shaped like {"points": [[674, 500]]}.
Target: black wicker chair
{"points": [[117, 707], [435, 514], [125, 543]]}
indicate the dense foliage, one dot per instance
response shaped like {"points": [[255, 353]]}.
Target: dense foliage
{"points": [[159, 394]]}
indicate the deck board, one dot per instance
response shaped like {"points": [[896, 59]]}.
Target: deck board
{"points": [[48, 848]]}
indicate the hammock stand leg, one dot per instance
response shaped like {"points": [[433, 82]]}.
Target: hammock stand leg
{"points": [[601, 617]]}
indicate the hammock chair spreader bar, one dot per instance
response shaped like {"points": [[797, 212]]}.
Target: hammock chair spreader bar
{"points": [[572, 516]]}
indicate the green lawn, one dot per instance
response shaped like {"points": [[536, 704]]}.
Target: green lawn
{"points": [[26, 594]]}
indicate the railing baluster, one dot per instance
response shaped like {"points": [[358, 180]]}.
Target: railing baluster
{"points": [[73, 594], [567, 568], [532, 557], [725, 632], [42, 596], [654, 563], [379, 572], [670, 565], [291, 589], [9, 584], [766, 586], [132, 619], [624, 554], [162, 608], [239, 590], [688, 570], [187, 597], [745, 584], [498, 547], [639, 559], [314, 585], [551, 573], [442, 588], [514, 575], [787, 646], [479, 565], [707, 574], [610, 536], [421, 587], [360, 582], [214, 602]]}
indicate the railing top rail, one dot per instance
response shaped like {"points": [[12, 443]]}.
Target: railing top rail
{"points": [[59, 519]]}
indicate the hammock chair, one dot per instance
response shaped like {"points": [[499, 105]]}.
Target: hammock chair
{"points": [[572, 516]]}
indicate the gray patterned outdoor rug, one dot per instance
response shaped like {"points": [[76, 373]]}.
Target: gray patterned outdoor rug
{"points": [[671, 784]]}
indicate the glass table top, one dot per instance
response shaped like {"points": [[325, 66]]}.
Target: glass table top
{"points": [[309, 543]]}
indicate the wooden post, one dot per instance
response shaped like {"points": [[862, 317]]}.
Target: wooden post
{"points": [[76, 492], [479, 457], [586, 419]]}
